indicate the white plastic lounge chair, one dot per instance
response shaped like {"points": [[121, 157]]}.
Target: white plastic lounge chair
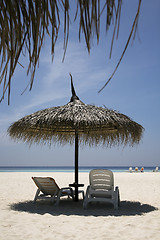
{"points": [[101, 188], [156, 169], [49, 189]]}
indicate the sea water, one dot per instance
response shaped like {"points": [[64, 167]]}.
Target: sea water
{"points": [[69, 168]]}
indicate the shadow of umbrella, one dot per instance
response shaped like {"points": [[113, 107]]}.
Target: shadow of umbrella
{"points": [[68, 208], [77, 122]]}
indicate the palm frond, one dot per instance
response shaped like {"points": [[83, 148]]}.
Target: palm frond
{"points": [[25, 23]]}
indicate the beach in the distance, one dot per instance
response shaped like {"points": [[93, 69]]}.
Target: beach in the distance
{"points": [[137, 218]]}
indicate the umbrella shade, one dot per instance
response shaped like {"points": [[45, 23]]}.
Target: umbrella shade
{"points": [[79, 122]]}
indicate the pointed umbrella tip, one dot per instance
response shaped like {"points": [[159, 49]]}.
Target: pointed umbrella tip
{"points": [[74, 96]]}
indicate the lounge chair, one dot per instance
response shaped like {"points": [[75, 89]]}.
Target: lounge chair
{"points": [[156, 169], [130, 170], [142, 169], [49, 189], [101, 188]]}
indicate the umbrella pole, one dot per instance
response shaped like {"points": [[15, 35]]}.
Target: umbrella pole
{"points": [[76, 166]]}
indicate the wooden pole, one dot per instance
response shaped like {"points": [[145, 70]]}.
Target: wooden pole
{"points": [[76, 166]]}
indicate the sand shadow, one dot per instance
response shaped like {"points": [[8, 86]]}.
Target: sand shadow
{"points": [[68, 207]]}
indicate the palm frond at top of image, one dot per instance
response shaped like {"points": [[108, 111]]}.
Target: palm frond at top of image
{"points": [[24, 25]]}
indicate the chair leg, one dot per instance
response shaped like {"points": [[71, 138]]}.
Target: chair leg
{"points": [[58, 197], [72, 194], [36, 196], [53, 198], [83, 194], [116, 198], [85, 203]]}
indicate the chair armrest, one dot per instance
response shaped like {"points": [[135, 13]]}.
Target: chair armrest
{"points": [[65, 188], [87, 191]]}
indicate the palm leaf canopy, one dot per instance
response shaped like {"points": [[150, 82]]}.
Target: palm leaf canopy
{"points": [[94, 125], [24, 25]]}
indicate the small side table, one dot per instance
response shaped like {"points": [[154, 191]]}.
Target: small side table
{"points": [[76, 186]]}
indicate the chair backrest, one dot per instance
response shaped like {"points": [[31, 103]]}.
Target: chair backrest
{"points": [[101, 179], [156, 170], [47, 185]]}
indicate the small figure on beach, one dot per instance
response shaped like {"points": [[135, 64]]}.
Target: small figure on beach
{"points": [[156, 169], [136, 169]]}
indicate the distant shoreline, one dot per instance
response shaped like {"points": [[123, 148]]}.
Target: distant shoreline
{"points": [[68, 168]]}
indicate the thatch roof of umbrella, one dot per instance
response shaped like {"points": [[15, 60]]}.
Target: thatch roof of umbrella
{"points": [[94, 125]]}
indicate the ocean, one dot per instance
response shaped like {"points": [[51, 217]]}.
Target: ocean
{"points": [[69, 169]]}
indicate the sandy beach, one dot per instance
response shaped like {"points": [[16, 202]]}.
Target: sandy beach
{"points": [[137, 218]]}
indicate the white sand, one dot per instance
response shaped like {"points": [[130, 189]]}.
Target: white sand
{"points": [[137, 218]]}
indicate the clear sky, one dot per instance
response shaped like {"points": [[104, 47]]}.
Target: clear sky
{"points": [[134, 91]]}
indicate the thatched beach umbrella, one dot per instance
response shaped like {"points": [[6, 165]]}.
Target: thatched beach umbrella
{"points": [[77, 122]]}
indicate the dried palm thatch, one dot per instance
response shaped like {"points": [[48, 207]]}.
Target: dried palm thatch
{"points": [[94, 125], [25, 23]]}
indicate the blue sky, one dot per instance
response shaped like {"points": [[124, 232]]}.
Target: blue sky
{"points": [[134, 91]]}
